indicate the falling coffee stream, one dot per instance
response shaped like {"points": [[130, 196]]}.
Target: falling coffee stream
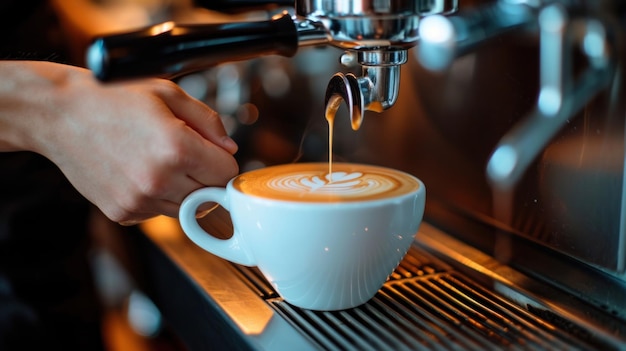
{"points": [[330, 117], [330, 112]]}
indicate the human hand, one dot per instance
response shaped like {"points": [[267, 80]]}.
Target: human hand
{"points": [[135, 149]]}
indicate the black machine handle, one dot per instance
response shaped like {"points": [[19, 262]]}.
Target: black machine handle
{"points": [[235, 5], [169, 49]]}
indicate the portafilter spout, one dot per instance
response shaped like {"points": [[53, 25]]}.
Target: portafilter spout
{"points": [[376, 36], [376, 90]]}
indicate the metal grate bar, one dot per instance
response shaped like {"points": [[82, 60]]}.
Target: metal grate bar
{"points": [[322, 333], [515, 321], [383, 322], [329, 331], [359, 321], [411, 327], [455, 332], [454, 309], [414, 264], [256, 281]]}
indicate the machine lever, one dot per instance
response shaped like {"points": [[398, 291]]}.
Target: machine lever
{"points": [[169, 49]]}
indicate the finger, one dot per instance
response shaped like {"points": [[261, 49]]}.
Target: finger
{"points": [[158, 208], [211, 165], [199, 117], [130, 222], [162, 197], [174, 187], [205, 209], [171, 205], [169, 208]]}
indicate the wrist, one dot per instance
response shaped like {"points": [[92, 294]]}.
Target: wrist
{"points": [[30, 92]]}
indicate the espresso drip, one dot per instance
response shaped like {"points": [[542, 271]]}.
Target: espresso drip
{"points": [[332, 105], [330, 112]]}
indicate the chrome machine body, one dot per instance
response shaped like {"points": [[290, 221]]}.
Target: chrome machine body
{"points": [[556, 172], [375, 34]]}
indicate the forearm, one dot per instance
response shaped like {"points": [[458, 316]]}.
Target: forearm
{"points": [[29, 103]]}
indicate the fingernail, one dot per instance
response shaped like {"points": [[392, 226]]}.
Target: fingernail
{"points": [[129, 223], [229, 144]]}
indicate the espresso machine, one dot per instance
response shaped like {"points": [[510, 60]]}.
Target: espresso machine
{"points": [[510, 111]]}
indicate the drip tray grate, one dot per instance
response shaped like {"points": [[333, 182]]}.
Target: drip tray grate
{"points": [[426, 307]]}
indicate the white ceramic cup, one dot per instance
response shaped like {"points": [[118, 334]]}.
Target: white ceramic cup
{"points": [[323, 245]]}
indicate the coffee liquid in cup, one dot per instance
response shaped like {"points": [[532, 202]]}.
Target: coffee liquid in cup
{"points": [[311, 182]]}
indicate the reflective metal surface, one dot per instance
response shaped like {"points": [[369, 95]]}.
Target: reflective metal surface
{"points": [[376, 35], [577, 111], [371, 24]]}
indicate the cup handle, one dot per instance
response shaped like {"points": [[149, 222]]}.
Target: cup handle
{"points": [[232, 249]]}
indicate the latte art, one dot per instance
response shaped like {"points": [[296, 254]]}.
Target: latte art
{"points": [[312, 182], [338, 183]]}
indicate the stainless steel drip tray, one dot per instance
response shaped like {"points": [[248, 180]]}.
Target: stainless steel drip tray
{"points": [[442, 311], [429, 303]]}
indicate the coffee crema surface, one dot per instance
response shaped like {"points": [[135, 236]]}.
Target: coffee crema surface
{"points": [[311, 182]]}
